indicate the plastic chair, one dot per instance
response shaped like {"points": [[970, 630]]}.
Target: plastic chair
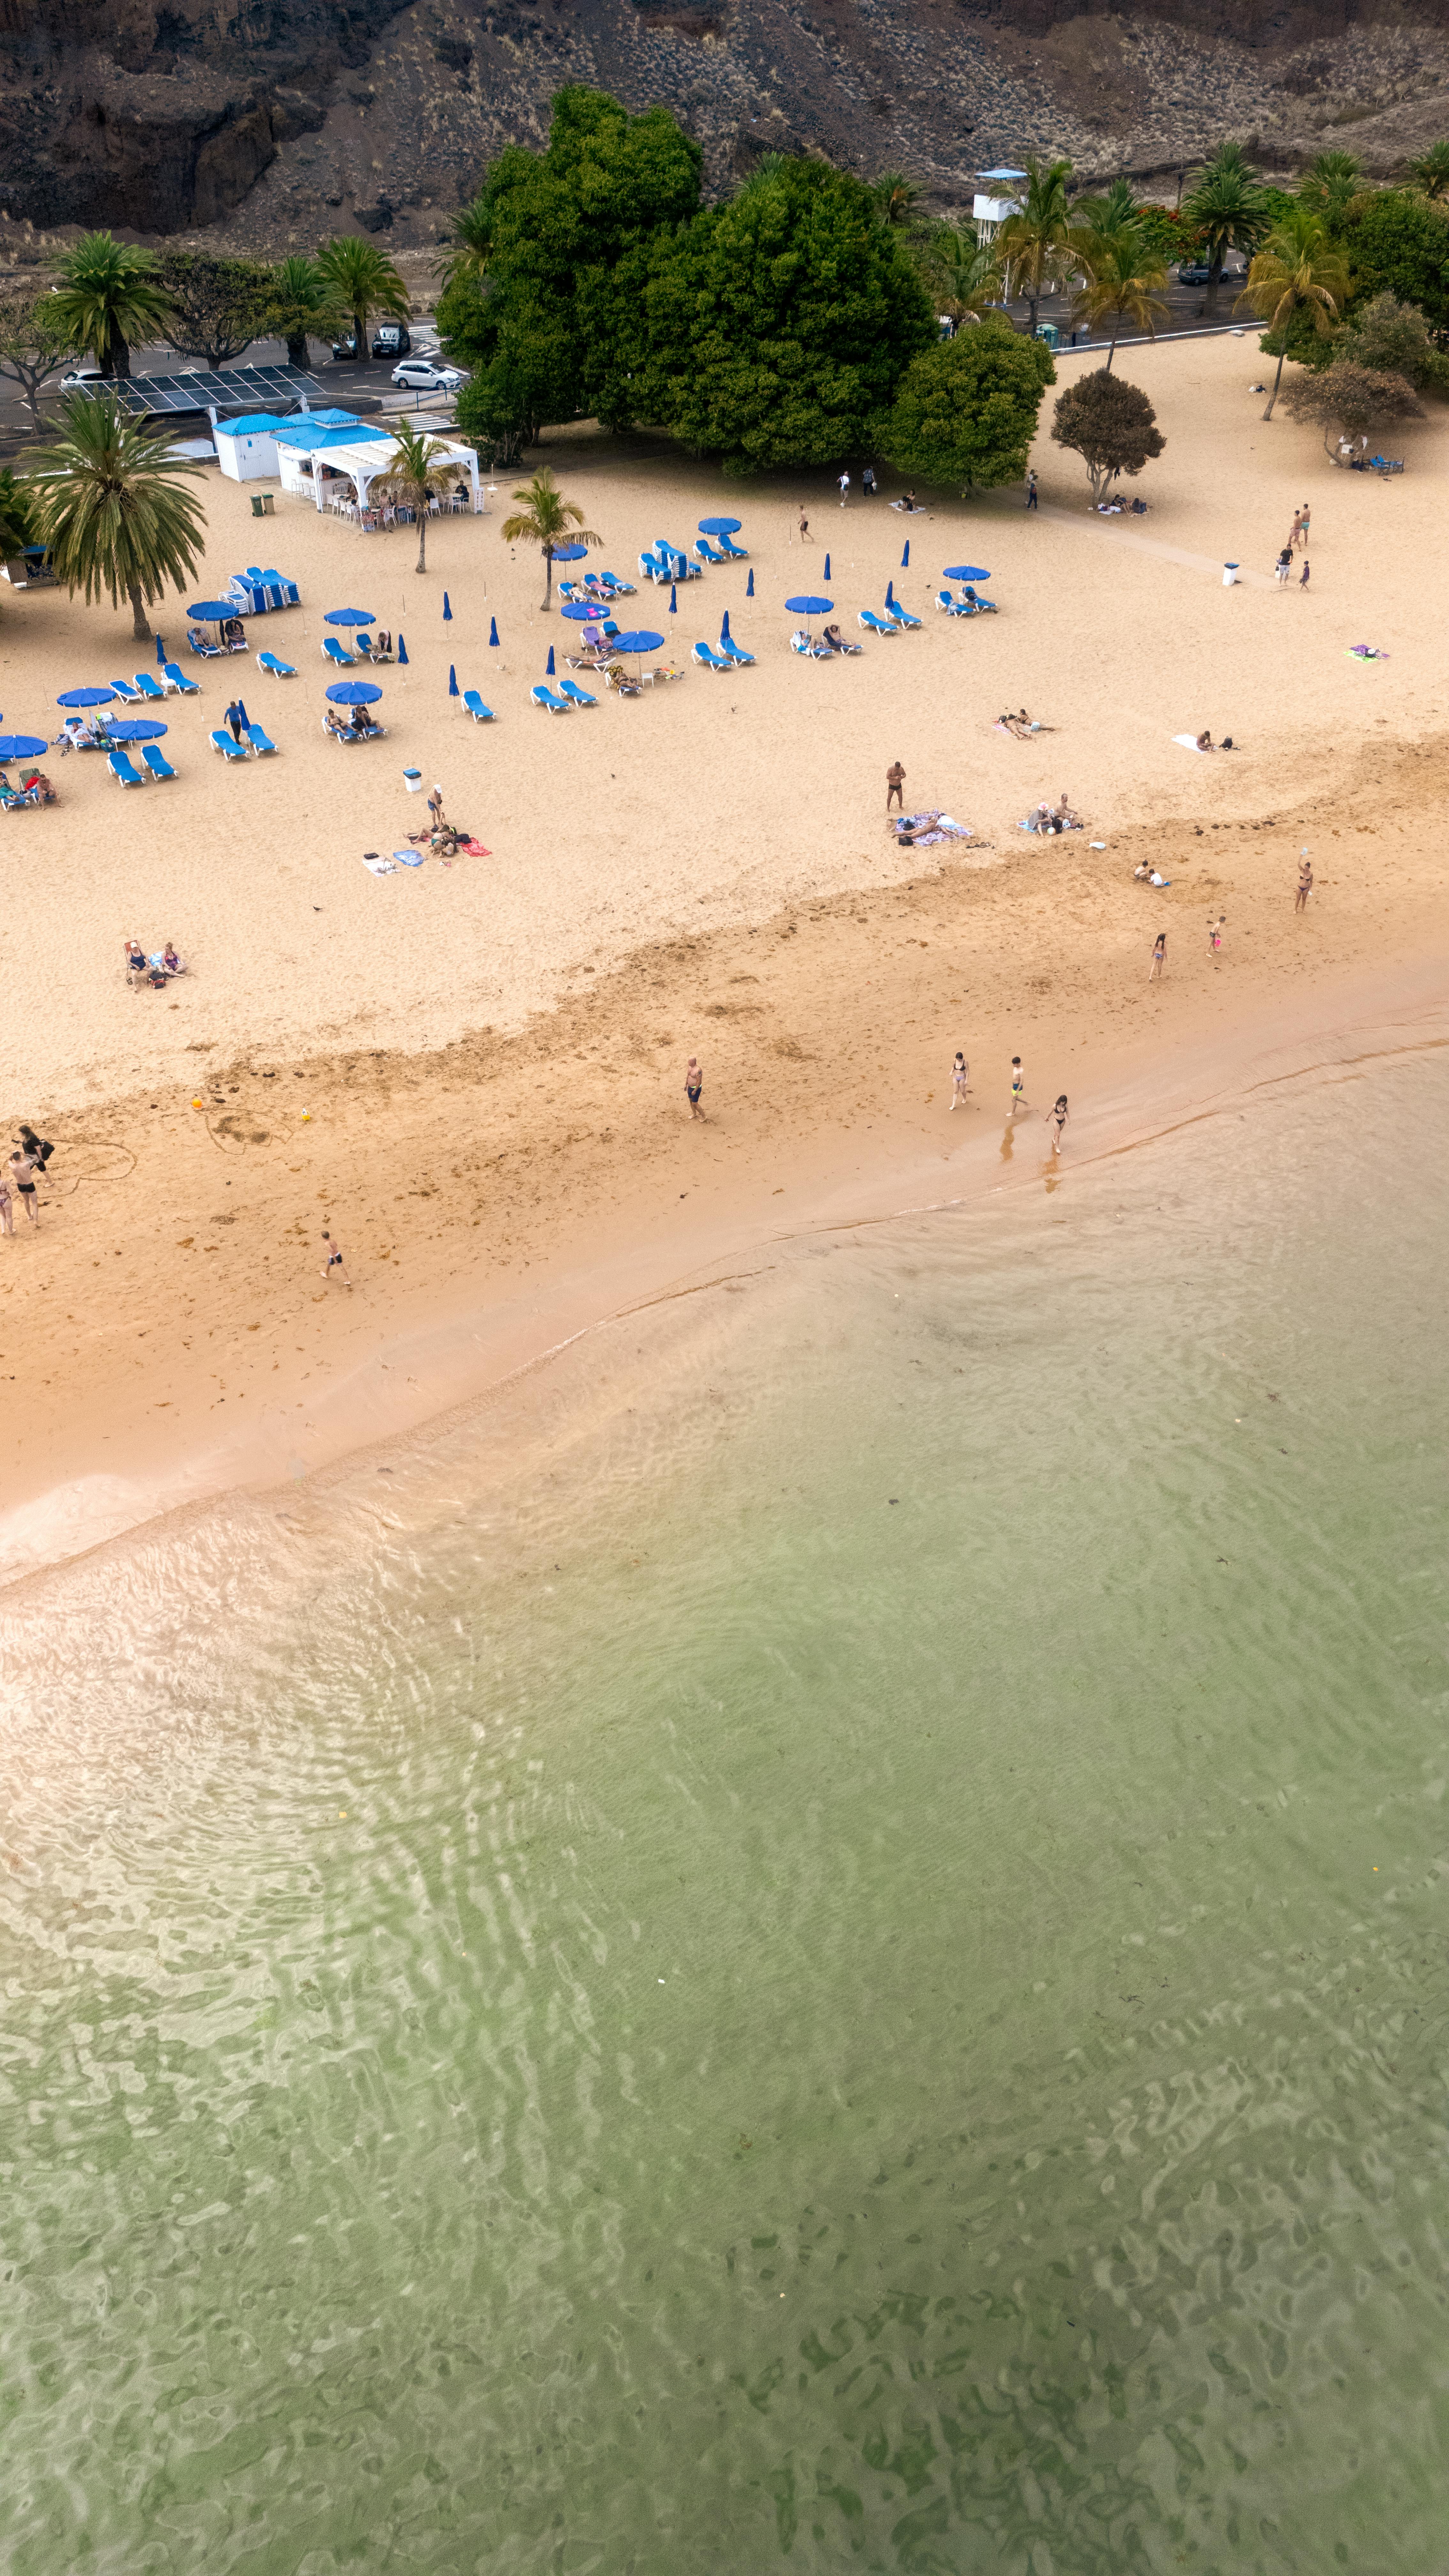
{"points": [[543, 696], [476, 709], [332, 652], [900, 617], [184, 687], [120, 767], [576, 696], [128, 695], [876, 625], [712, 661], [156, 760], [275, 669], [148, 686], [259, 741], [735, 653], [221, 741]]}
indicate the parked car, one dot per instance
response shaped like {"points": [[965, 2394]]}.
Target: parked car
{"points": [[391, 340], [421, 376], [1193, 272], [82, 380]]}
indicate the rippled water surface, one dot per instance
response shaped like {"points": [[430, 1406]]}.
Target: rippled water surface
{"points": [[820, 1941]]}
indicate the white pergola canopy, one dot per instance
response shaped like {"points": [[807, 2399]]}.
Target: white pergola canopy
{"points": [[307, 469]]}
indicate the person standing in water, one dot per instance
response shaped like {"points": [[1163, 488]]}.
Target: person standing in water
{"points": [[1057, 1121], [960, 1079], [694, 1085]]}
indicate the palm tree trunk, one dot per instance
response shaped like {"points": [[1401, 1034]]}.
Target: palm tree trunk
{"points": [[117, 359], [423, 529], [1112, 344], [140, 622], [548, 576], [359, 333], [1278, 379], [1215, 270], [297, 350]]}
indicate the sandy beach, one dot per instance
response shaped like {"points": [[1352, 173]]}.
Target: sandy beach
{"points": [[475, 1075]]}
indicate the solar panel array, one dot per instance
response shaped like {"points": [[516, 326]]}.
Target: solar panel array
{"points": [[240, 389]]}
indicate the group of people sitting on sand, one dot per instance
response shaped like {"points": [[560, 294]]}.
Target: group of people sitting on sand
{"points": [[34, 788], [1061, 817], [155, 970], [1205, 742], [358, 727]]}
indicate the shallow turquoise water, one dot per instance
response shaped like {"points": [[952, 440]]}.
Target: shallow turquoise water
{"points": [[819, 1942]]}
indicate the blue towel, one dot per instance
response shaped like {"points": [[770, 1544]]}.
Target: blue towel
{"points": [[409, 858]]}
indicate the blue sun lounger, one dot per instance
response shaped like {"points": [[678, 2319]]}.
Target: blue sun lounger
{"points": [[120, 768], [876, 625], [332, 652], [952, 607], [148, 686], [736, 554], [706, 552], [127, 692], [735, 653], [221, 741], [543, 696], [173, 672], [899, 616], [259, 741], [712, 661], [275, 669], [576, 696], [156, 760], [476, 709], [616, 588]]}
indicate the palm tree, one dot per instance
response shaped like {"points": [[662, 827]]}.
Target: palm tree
{"points": [[108, 296], [364, 280], [896, 197], [14, 517], [1329, 186], [1107, 214], [547, 520], [1035, 241], [416, 460], [1227, 212], [304, 307], [1430, 173], [471, 243], [1122, 278], [1297, 269], [110, 503], [963, 274]]}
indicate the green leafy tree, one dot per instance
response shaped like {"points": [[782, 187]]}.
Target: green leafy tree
{"points": [[1393, 339], [1331, 183], [547, 521], [1351, 399], [550, 320], [1111, 425], [1397, 242], [1430, 172], [779, 326], [15, 524], [1226, 210], [470, 245], [33, 346], [418, 462], [302, 306], [962, 276], [364, 282], [1109, 212], [218, 306], [1122, 282], [898, 199], [965, 411], [107, 297], [1298, 270], [114, 507], [1166, 231], [1035, 242]]}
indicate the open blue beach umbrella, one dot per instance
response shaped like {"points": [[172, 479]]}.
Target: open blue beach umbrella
{"points": [[724, 628], [349, 617], [21, 746], [208, 612], [906, 556], [135, 729], [720, 527], [966, 572], [673, 601], [580, 610], [750, 584], [806, 604], [452, 681], [86, 698], [354, 693], [569, 554], [447, 610], [402, 650], [492, 630], [827, 567], [551, 665], [642, 639]]}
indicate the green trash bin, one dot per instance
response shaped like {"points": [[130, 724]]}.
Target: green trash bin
{"points": [[1049, 332]]}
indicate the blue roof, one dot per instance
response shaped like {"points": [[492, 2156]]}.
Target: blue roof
{"points": [[334, 419], [306, 434], [254, 421]]}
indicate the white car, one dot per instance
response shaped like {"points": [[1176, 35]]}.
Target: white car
{"points": [[82, 380], [420, 376]]}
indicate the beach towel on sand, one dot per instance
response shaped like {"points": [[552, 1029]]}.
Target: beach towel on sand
{"points": [[1189, 742], [379, 866], [409, 858]]}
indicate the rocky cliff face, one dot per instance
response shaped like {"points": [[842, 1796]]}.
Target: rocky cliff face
{"points": [[284, 120]]}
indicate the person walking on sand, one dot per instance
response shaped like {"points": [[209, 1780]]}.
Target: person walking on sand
{"points": [[1057, 1121], [1296, 530], [1305, 883], [7, 1203], [22, 1176], [867, 483], [233, 718], [1018, 1086], [1031, 490], [844, 489], [1215, 937], [1158, 966], [895, 781], [334, 1260], [1281, 567], [1303, 576], [694, 1085], [804, 529], [1304, 516], [960, 1080]]}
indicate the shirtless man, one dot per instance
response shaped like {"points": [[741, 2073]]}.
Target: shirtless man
{"points": [[334, 1260], [895, 782], [694, 1085]]}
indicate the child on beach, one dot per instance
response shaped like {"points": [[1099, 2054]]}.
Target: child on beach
{"points": [[1018, 1086], [334, 1260]]}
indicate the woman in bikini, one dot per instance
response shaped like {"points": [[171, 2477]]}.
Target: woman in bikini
{"points": [[1158, 966], [1057, 1121], [960, 1079]]}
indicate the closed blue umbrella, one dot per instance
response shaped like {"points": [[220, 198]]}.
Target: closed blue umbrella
{"points": [[402, 650], [827, 567], [242, 712], [492, 630], [550, 670], [967, 572], [673, 601], [354, 693], [86, 698], [724, 628], [906, 557], [134, 729], [750, 584], [160, 649], [21, 746], [720, 527], [890, 594], [447, 610], [452, 681]]}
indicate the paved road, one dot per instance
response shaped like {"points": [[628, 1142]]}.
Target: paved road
{"points": [[340, 379]]}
